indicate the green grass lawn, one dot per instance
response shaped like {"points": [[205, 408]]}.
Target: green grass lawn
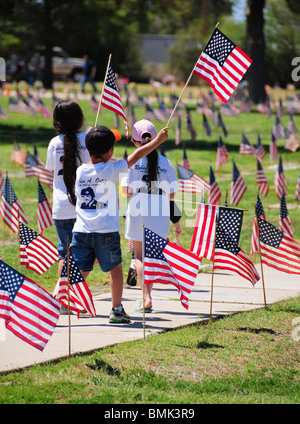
{"points": [[248, 358]]}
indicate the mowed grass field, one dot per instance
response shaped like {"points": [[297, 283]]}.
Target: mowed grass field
{"points": [[27, 131]]}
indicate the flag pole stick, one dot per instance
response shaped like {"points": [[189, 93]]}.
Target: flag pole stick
{"points": [[212, 271], [68, 278], [98, 111], [143, 282], [261, 266], [19, 240], [186, 84]]}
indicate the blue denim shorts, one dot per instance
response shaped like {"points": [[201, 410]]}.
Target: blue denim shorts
{"points": [[106, 247], [64, 229]]}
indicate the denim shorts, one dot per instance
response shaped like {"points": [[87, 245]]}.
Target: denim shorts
{"points": [[64, 229], [106, 247]]}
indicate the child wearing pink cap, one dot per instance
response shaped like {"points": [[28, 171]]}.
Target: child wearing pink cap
{"points": [[150, 185]]}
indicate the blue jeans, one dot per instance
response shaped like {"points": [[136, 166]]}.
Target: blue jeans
{"points": [[106, 247], [64, 228]]}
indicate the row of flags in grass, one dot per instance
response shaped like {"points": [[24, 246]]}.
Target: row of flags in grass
{"points": [[190, 182]]}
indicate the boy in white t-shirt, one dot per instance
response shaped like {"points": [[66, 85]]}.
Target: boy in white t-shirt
{"points": [[96, 231]]}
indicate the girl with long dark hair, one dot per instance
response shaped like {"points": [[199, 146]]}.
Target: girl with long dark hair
{"points": [[150, 184], [65, 153]]}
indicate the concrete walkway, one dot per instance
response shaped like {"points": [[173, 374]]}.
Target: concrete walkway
{"points": [[231, 294]]}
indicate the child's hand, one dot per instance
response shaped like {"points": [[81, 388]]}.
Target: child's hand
{"points": [[163, 134]]}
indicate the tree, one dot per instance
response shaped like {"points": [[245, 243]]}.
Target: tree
{"points": [[256, 49]]}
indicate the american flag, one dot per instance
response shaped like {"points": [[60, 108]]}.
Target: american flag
{"points": [[284, 219], [280, 181], [259, 211], [230, 257], [29, 311], [2, 113], [203, 237], [10, 208], [229, 110], [111, 97], [80, 295], [238, 186], [206, 126], [222, 125], [278, 129], [189, 182], [15, 105], [185, 162], [246, 147], [132, 115], [280, 110], [167, 263], [222, 64], [1, 183], [43, 109], [261, 180], [18, 156], [291, 125], [278, 250], [34, 167], [44, 210], [153, 114], [166, 111], [260, 151], [214, 193], [222, 154], [178, 131], [273, 149], [189, 125], [292, 143], [36, 252], [297, 192]]}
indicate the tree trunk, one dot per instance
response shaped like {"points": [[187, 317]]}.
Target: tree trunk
{"points": [[256, 49], [47, 72]]}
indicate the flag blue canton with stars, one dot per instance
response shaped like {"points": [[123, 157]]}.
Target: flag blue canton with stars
{"points": [[219, 47], [224, 241], [11, 280], [269, 234], [9, 193], [41, 194], [154, 245], [75, 275]]}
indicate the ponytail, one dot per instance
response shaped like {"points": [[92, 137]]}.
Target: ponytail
{"points": [[67, 120]]}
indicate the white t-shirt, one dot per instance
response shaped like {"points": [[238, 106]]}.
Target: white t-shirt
{"points": [[96, 189], [62, 208], [151, 209]]}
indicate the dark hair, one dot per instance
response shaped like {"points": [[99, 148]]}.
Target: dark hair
{"points": [[152, 163], [67, 120], [99, 140]]}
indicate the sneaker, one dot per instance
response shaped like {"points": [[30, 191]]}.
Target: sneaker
{"points": [[118, 317], [132, 277]]}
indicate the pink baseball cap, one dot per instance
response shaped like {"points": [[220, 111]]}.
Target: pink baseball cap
{"points": [[143, 127]]}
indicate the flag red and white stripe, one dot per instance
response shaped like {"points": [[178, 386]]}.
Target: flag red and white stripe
{"points": [[278, 250], [80, 295], [280, 181], [222, 64], [284, 219], [261, 180], [29, 311], [203, 237], [222, 154], [259, 211], [36, 252], [167, 263], [111, 98], [238, 186], [189, 182], [214, 193], [10, 209], [44, 210]]}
